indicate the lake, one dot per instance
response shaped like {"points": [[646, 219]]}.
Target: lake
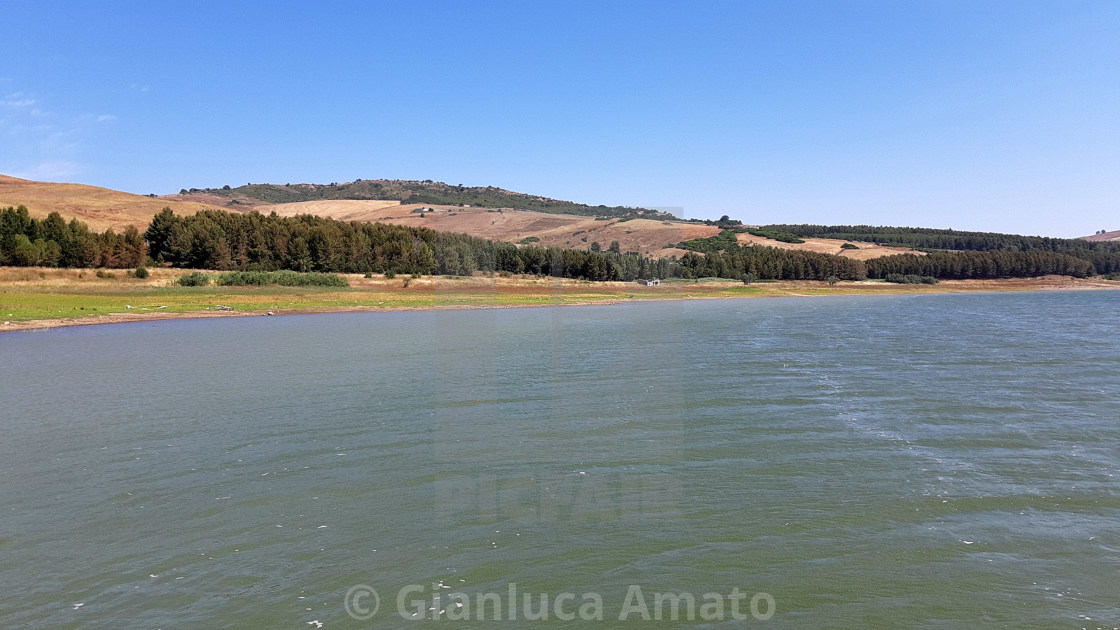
{"points": [[939, 461]]}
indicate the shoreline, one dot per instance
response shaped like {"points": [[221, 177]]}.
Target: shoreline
{"points": [[425, 294]]}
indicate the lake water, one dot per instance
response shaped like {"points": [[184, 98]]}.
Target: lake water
{"points": [[942, 461]]}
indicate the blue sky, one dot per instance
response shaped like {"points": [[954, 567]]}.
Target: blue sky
{"points": [[1000, 116]]}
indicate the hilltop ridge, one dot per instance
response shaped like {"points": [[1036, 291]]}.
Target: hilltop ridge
{"points": [[407, 191]]}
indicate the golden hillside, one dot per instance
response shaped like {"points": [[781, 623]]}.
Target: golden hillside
{"points": [[103, 208], [648, 236], [100, 208], [1104, 236], [561, 230]]}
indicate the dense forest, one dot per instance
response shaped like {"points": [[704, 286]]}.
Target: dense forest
{"points": [[254, 242], [982, 264], [52, 242], [1009, 262], [771, 263], [220, 240], [427, 191], [1103, 255]]}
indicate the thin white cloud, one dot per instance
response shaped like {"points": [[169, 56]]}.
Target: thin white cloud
{"points": [[51, 171], [42, 144], [106, 118], [16, 101]]}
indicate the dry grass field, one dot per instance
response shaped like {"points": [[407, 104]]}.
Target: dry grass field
{"points": [[559, 230], [1107, 236], [829, 246], [100, 208]]}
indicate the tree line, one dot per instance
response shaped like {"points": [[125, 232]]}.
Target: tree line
{"points": [[213, 239], [1103, 255], [54, 242], [724, 256], [974, 265], [219, 240], [770, 263]]}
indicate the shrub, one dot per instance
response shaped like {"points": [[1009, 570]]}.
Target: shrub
{"points": [[530, 239], [194, 279], [910, 278], [101, 273], [784, 237], [849, 246], [282, 278], [390, 274], [141, 272]]}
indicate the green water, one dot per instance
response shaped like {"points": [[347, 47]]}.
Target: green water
{"points": [[943, 461]]}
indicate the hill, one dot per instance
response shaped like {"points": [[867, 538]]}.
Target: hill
{"points": [[652, 234], [100, 208], [409, 191], [657, 238], [648, 236], [1103, 236]]}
